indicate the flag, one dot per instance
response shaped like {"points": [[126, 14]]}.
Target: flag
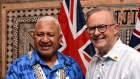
{"points": [[75, 42], [135, 39]]}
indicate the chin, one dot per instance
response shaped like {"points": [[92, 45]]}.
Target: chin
{"points": [[46, 54], [99, 46]]}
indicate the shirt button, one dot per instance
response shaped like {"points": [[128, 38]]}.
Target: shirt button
{"points": [[102, 64]]}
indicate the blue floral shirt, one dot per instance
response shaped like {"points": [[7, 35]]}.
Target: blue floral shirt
{"points": [[21, 68]]}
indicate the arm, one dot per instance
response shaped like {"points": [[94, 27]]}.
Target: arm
{"points": [[11, 74]]}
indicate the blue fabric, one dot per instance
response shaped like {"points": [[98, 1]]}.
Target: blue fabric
{"points": [[21, 68]]}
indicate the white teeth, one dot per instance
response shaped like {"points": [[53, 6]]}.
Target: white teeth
{"points": [[45, 45], [98, 38]]}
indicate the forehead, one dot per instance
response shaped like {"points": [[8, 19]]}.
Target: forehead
{"points": [[46, 26], [100, 17]]}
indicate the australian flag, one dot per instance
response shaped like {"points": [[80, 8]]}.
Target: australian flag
{"points": [[135, 39], [75, 42]]}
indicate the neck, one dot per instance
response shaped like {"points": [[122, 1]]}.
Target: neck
{"points": [[50, 61], [102, 53], [105, 50]]}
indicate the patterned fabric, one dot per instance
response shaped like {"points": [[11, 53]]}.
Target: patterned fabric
{"points": [[21, 68], [38, 71], [122, 62]]}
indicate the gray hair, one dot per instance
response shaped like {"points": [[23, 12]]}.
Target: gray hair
{"points": [[49, 18], [97, 9]]}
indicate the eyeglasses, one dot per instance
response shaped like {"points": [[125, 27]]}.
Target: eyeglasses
{"points": [[101, 28]]}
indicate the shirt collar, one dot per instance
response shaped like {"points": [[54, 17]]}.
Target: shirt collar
{"points": [[35, 58], [62, 60], [114, 52]]}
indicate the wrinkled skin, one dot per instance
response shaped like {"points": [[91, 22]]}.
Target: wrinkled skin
{"points": [[104, 42], [47, 39]]}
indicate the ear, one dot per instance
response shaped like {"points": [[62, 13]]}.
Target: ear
{"points": [[60, 38], [34, 34], [116, 26]]}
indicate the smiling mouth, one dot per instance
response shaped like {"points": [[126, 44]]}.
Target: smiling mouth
{"points": [[45, 47], [98, 39]]}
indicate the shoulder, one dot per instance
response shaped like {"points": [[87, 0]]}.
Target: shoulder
{"points": [[123, 48], [131, 55], [131, 51], [21, 60], [67, 59], [70, 62], [18, 66]]}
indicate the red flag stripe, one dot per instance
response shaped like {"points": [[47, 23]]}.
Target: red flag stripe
{"points": [[136, 32], [71, 10], [139, 14]]}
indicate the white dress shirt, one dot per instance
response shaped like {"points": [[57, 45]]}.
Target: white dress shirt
{"points": [[122, 62]]}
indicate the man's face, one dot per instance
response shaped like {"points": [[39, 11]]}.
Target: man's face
{"points": [[102, 41], [47, 38]]}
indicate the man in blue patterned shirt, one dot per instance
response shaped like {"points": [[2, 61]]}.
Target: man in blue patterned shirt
{"points": [[45, 62]]}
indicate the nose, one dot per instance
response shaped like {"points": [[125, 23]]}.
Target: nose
{"points": [[45, 39], [97, 32]]}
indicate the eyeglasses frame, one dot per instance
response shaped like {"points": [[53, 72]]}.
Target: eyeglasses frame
{"points": [[99, 28]]}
